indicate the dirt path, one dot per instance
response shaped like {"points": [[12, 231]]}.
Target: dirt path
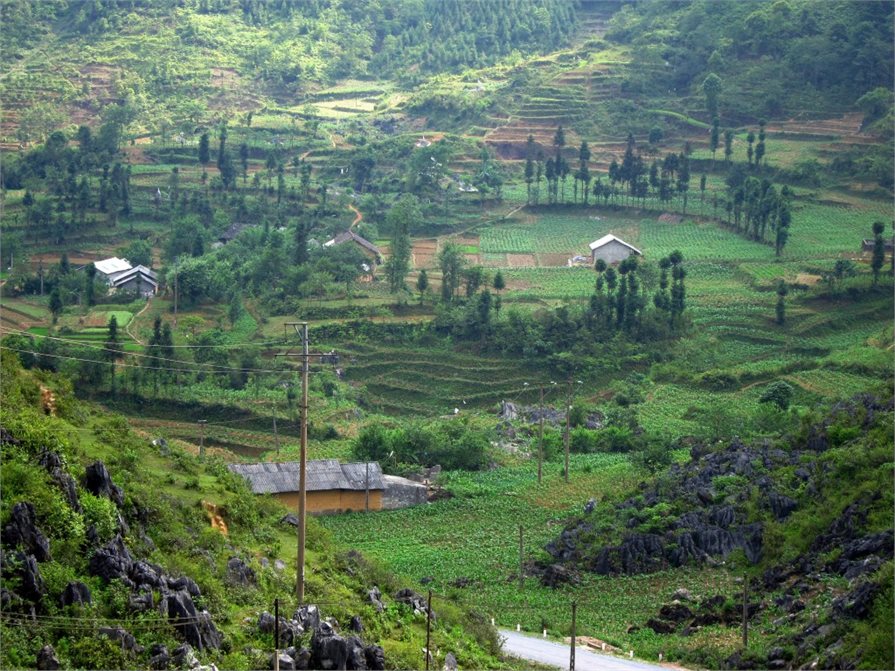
{"points": [[134, 319], [358, 217]]}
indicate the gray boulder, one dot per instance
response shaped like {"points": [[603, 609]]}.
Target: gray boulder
{"points": [[24, 568], [112, 561], [22, 531], [302, 659], [287, 663], [142, 601], [266, 623], [329, 651], [54, 465], [375, 657], [308, 617], [357, 659], [240, 573], [159, 657], [123, 636], [185, 583], [98, 482], [46, 659], [183, 657], [144, 573], [196, 627], [75, 593], [508, 411], [375, 597]]}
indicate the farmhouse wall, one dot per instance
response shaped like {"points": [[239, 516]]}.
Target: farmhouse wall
{"points": [[401, 493], [611, 252], [333, 500], [137, 285]]}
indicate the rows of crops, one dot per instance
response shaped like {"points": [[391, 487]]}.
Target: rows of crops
{"points": [[476, 536]]}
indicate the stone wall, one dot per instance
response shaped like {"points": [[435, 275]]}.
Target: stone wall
{"points": [[401, 493]]}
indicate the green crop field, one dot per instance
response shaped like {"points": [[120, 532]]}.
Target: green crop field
{"points": [[475, 535]]}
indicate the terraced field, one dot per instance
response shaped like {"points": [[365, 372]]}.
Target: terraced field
{"points": [[395, 380]]}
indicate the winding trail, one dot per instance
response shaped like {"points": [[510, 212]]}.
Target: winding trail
{"points": [[127, 328], [358, 217]]}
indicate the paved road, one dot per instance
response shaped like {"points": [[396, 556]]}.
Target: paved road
{"points": [[556, 654]]}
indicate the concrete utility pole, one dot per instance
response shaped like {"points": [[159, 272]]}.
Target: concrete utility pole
{"points": [[276, 635], [367, 489], [303, 467], [175, 293], [276, 436], [521, 559], [568, 423], [202, 423], [541, 439], [572, 646], [302, 329], [428, 628]]}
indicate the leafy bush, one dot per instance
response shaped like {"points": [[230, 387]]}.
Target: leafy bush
{"points": [[101, 513], [583, 440], [779, 393], [97, 652]]}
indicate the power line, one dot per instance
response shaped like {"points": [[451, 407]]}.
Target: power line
{"points": [[121, 352], [228, 345], [158, 368]]}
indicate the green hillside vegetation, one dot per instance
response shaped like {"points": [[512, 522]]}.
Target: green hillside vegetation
{"points": [[744, 148], [162, 518]]}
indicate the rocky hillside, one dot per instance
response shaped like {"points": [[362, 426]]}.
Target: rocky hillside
{"points": [[117, 553], [807, 518]]}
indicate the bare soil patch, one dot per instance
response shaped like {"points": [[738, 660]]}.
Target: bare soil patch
{"points": [[522, 261], [808, 279], [495, 261], [667, 218], [423, 253], [558, 260]]}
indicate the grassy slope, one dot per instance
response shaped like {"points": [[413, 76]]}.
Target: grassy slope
{"points": [[169, 489]]}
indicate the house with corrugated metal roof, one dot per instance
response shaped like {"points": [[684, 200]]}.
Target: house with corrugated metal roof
{"points": [[332, 486], [370, 250]]}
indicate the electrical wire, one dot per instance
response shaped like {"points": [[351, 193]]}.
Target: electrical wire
{"points": [[121, 352], [157, 368], [280, 343]]}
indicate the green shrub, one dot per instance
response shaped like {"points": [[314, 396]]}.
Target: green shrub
{"points": [[617, 439], [779, 393], [718, 380], [97, 652], [101, 513], [583, 440]]}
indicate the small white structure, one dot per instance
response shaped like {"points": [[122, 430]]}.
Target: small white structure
{"points": [[106, 268], [611, 249], [422, 142]]}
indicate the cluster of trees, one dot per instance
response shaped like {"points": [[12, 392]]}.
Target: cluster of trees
{"points": [[753, 204], [69, 184], [452, 445], [756, 209], [803, 53], [620, 306]]}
